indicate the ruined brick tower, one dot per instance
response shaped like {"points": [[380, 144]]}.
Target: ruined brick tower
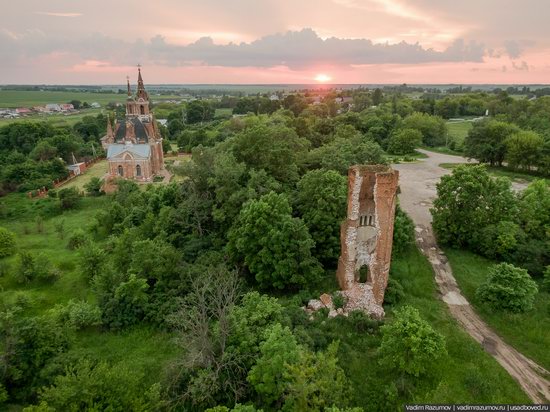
{"points": [[367, 235]]}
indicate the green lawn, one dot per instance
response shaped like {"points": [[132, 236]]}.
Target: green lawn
{"points": [[459, 130], [97, 170], [528, 332]]}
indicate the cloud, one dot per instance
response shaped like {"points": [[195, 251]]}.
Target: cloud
{"points": [[294, 49], [49, 13], [302, 49]]}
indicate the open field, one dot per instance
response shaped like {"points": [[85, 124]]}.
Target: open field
{"points": [[458, 131], [55, 119], [528, 332], [17, 98]]}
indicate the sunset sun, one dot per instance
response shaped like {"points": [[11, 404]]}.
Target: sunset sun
{"points": [[322, 78]]}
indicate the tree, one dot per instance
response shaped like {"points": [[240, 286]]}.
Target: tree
{"points": [[275, 148], [377, 97], [341, 154], [92, 260], [93, 187], [99, 387], [268, 375], [523, 150], [404, 141], [410, 346], [534, 209], [44, 150], [486, 141], [433, 128], [248, 322], [7, 242], [68, 198], [467, 201], [403, 232], [321, 201], [274, 246], [508, 288], [199, 111]]}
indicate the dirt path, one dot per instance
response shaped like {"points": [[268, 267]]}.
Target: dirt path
{"points": [[417, 183]]}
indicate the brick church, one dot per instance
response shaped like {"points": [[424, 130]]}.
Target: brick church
{"points": [[134, 145]]}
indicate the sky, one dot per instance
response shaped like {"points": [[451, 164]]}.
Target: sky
{"points": [[275, 41]]}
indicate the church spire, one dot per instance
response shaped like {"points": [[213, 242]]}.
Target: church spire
{"points": [[141, 88], [129, 89]]}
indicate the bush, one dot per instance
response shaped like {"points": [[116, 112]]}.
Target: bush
{"points": [[93, 187], [546, 279], [338, 300], [403, 232], [78, 314], [30, 267], [394, 292], [404, 141], [68, 198], [508, 288], [78, 239], [7, 242]]}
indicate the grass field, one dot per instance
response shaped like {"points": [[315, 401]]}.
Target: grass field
{"points": [[458, 131], [96, 170], [16, 98], [142, 348], [528, 332]]}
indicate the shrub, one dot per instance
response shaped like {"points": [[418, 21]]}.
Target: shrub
{"points": [[338, 300], [394, 292], [68, 198], [78, 314], [78, 239], [30, 267], [404, 141], [7, 242], [546, 279], [403, 232], [508, 288], [4, 268], [93, 187]]}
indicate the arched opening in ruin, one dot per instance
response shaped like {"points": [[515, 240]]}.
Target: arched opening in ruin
{"points": [[364, 274], [120, 171], [142, 109]]}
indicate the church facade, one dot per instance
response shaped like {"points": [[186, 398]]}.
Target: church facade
{"points": [[134, 145]]}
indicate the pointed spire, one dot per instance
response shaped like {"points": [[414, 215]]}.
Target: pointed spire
{"points": [[128, 82], [141, 88]]}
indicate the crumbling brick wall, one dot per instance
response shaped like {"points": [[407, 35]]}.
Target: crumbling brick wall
{"points": [[367, 233]]}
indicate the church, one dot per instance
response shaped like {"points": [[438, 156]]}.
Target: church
{"points": [[134, 145]]}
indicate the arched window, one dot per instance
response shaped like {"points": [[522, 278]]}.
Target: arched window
{"points": [[142, 109], [120, 171], [138, 170]]}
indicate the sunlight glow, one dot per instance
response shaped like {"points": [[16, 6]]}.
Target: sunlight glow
{"points": [[322, 78]]}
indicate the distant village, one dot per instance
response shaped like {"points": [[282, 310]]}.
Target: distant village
{"points": [[50, 108]]}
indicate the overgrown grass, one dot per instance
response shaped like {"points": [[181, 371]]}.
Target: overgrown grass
{"points": [[528, 332], [469, 374], [457, 131]]}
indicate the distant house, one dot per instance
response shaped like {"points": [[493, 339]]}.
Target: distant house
{"points": [[316, 100], [23, 111], [343, 100], [95, 105], [39, 109], [67, 107], [273, 97], [53, 107]]}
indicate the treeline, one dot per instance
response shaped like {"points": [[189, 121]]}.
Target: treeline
{"points": [[34, 154]]}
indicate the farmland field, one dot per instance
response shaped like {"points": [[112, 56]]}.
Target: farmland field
{"points": [[17, 98]]}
